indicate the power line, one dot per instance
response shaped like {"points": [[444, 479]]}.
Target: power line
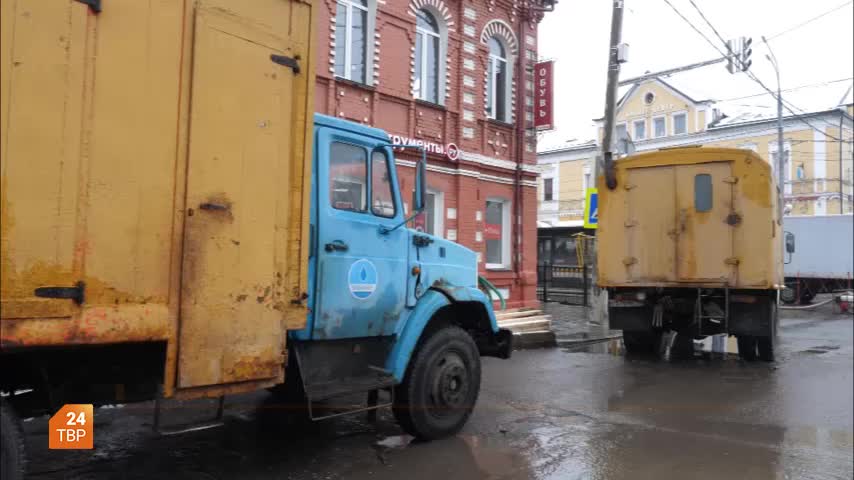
{"points": [[772, 37], [750, 74], [799, 87], [694, 27]]}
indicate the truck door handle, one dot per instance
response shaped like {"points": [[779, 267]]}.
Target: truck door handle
{"points": [[336, 246], [213, 207]]}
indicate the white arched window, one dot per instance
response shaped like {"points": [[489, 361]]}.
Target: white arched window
{"points": [[353, 22], [497, 81], [428, 42]]}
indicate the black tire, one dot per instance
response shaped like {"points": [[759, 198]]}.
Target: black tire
{"points": [[747, 347], [645, 342], [806, 297], [765, 344], [787, 295], [441, 385], [13, 457]]}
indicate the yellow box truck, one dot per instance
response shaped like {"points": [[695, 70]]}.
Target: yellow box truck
{"points": [[690, 241]]}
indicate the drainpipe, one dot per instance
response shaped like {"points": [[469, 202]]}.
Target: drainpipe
{"points": [[516, 225]]}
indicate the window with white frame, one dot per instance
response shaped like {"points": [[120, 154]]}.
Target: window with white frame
{"points": [[351, 40], [787, 165], [428, 43], [497, 233], [659, 127], [548, 189], [620, 132], [639, 129], [587, 180], [497, 81], [680, 123]]}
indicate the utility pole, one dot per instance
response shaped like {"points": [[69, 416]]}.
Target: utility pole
{"points": [[781, 153], [616, 55], [841, 188]]}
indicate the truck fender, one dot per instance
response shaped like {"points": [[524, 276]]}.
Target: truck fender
{"points": [[470, 294], [410, 332], [491, 341]]}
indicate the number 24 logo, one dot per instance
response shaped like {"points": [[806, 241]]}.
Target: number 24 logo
{"points": [[76, 418]]}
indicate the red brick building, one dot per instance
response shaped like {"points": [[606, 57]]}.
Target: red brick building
{"points": [[456, 77]]}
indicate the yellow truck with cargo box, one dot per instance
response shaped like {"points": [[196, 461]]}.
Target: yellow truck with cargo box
{"points": [[178, 224], [690, 240]]}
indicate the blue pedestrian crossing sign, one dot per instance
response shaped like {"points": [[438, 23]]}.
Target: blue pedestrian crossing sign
{"points": [[591, 208]]}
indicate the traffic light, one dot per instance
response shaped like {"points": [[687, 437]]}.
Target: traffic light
{"points": [[746, 52]]}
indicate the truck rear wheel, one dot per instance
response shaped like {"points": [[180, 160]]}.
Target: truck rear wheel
{"points": [[646, 342], [13, 458], [441, 385]]}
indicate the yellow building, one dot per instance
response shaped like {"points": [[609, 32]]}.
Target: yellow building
{"points": [[654, 114]]}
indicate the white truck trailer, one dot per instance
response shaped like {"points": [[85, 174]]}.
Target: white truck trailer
{"points": [[823, 257]]}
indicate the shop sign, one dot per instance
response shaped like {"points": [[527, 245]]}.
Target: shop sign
{"points": [[450, 150]]}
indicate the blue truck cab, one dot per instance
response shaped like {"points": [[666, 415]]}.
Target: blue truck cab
{"points": [[391, 309]]}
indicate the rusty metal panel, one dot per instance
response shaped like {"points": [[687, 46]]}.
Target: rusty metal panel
{"points": [[233, 286], [704, 238], [650, 229], [41, 81]]}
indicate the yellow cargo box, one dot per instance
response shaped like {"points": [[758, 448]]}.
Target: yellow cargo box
{"points": [[691, 217], [155, 181]]}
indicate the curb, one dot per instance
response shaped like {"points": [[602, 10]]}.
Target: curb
{"points": [[586, 341], [531, 340]]}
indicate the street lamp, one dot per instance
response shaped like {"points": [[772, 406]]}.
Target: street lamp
{"points": [[781, 160]]}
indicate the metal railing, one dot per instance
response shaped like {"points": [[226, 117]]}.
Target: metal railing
{"points": [[564, 284]]}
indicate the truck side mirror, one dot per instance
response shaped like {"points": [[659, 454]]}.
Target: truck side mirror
{"points": [[420, 193], [790, 242]]}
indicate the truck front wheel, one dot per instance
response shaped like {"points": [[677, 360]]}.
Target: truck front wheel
{"points": [[441, 385], [13, 455]]}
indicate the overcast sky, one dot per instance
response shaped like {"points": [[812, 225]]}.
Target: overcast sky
{"points": [[576, 36]]}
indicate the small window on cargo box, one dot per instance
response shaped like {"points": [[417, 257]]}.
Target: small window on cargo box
{"points": [[703, 192], [348, 171]]}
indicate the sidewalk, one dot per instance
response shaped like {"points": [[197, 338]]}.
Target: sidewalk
{"points": [[570, 324]]}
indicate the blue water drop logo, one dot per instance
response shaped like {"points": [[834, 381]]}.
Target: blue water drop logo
{"points": [[362, 279]]}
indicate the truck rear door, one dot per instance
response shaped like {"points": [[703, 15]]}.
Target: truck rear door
{"points": [[704, 240], [676, 228]]}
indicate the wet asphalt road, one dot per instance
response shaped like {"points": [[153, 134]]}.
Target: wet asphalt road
{"points": [[544, 414]]}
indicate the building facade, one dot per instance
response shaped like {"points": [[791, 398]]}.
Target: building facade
{"points": [[453, 76], [654, 114]]}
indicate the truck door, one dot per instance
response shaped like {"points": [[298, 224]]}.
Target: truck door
{"points": [[703, 205], [361, 271], [650, 231], [239, 187], [41, 80]]}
